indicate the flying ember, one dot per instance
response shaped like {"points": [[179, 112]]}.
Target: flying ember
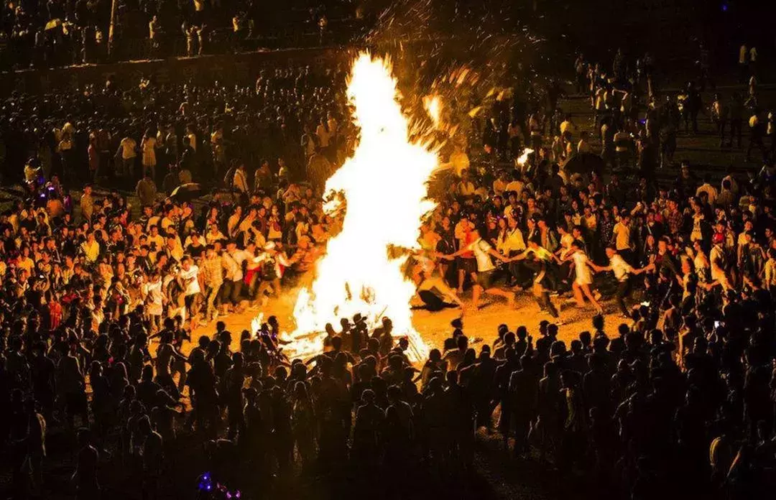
{"points": [[384, 186]]}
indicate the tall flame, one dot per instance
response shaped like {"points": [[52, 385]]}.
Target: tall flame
{"points": [[385, 188]]}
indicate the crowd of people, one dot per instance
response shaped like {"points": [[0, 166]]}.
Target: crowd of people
{"points": [[672, 393], [110, 136], [64, 33]]}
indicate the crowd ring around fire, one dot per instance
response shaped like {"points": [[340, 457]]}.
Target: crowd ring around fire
{"points": [[391, 167]]}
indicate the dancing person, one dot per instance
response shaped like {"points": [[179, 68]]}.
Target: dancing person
{"points": [[622, 272], [483, 278], [541, 264], [430, 285], [583, 277]]}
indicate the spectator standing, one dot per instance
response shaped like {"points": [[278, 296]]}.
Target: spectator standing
{"points": [[743, 63], [148, 147], [87, 203], [146, 189], [127, 155], [240, 180]]}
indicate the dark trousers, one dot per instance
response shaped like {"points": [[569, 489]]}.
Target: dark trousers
{"points": [[735, 131], [623, 290], [756, 141], [581, 83], [706, 79], [546, 304], [518, 273], [627, 255], [721, 131], [743, 73], [691, 120], [231, 292], [522, 428], [105, 167]]}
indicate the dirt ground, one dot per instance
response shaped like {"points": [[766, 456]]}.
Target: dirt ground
{"points": [[435, 327]]}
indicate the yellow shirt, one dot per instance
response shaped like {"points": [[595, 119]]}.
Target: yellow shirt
{"points": [[622, 236], [499, 186], [91, 250], [87, 206], [128, 146], [26, 263], [511, 241], [149, 151]]}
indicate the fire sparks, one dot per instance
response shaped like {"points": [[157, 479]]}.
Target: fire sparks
{"points": [[433, 105], [384, 186]]}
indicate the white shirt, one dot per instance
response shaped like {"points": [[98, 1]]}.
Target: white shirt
{"points": [[153, 292], [565, 244], [717, 258], [583, 275], [233, 265], [620, 268], [481, 248], [190, 281]]}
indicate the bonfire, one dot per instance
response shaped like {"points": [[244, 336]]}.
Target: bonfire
{"points": [[383, 191]]}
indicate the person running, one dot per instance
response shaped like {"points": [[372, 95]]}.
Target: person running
{"points": [[541, 264], [430, 286], [483, 278], [622, 272], [189, 283], [583, 277]]}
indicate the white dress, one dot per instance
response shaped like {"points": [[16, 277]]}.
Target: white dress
{"points": [[582, 271]]}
